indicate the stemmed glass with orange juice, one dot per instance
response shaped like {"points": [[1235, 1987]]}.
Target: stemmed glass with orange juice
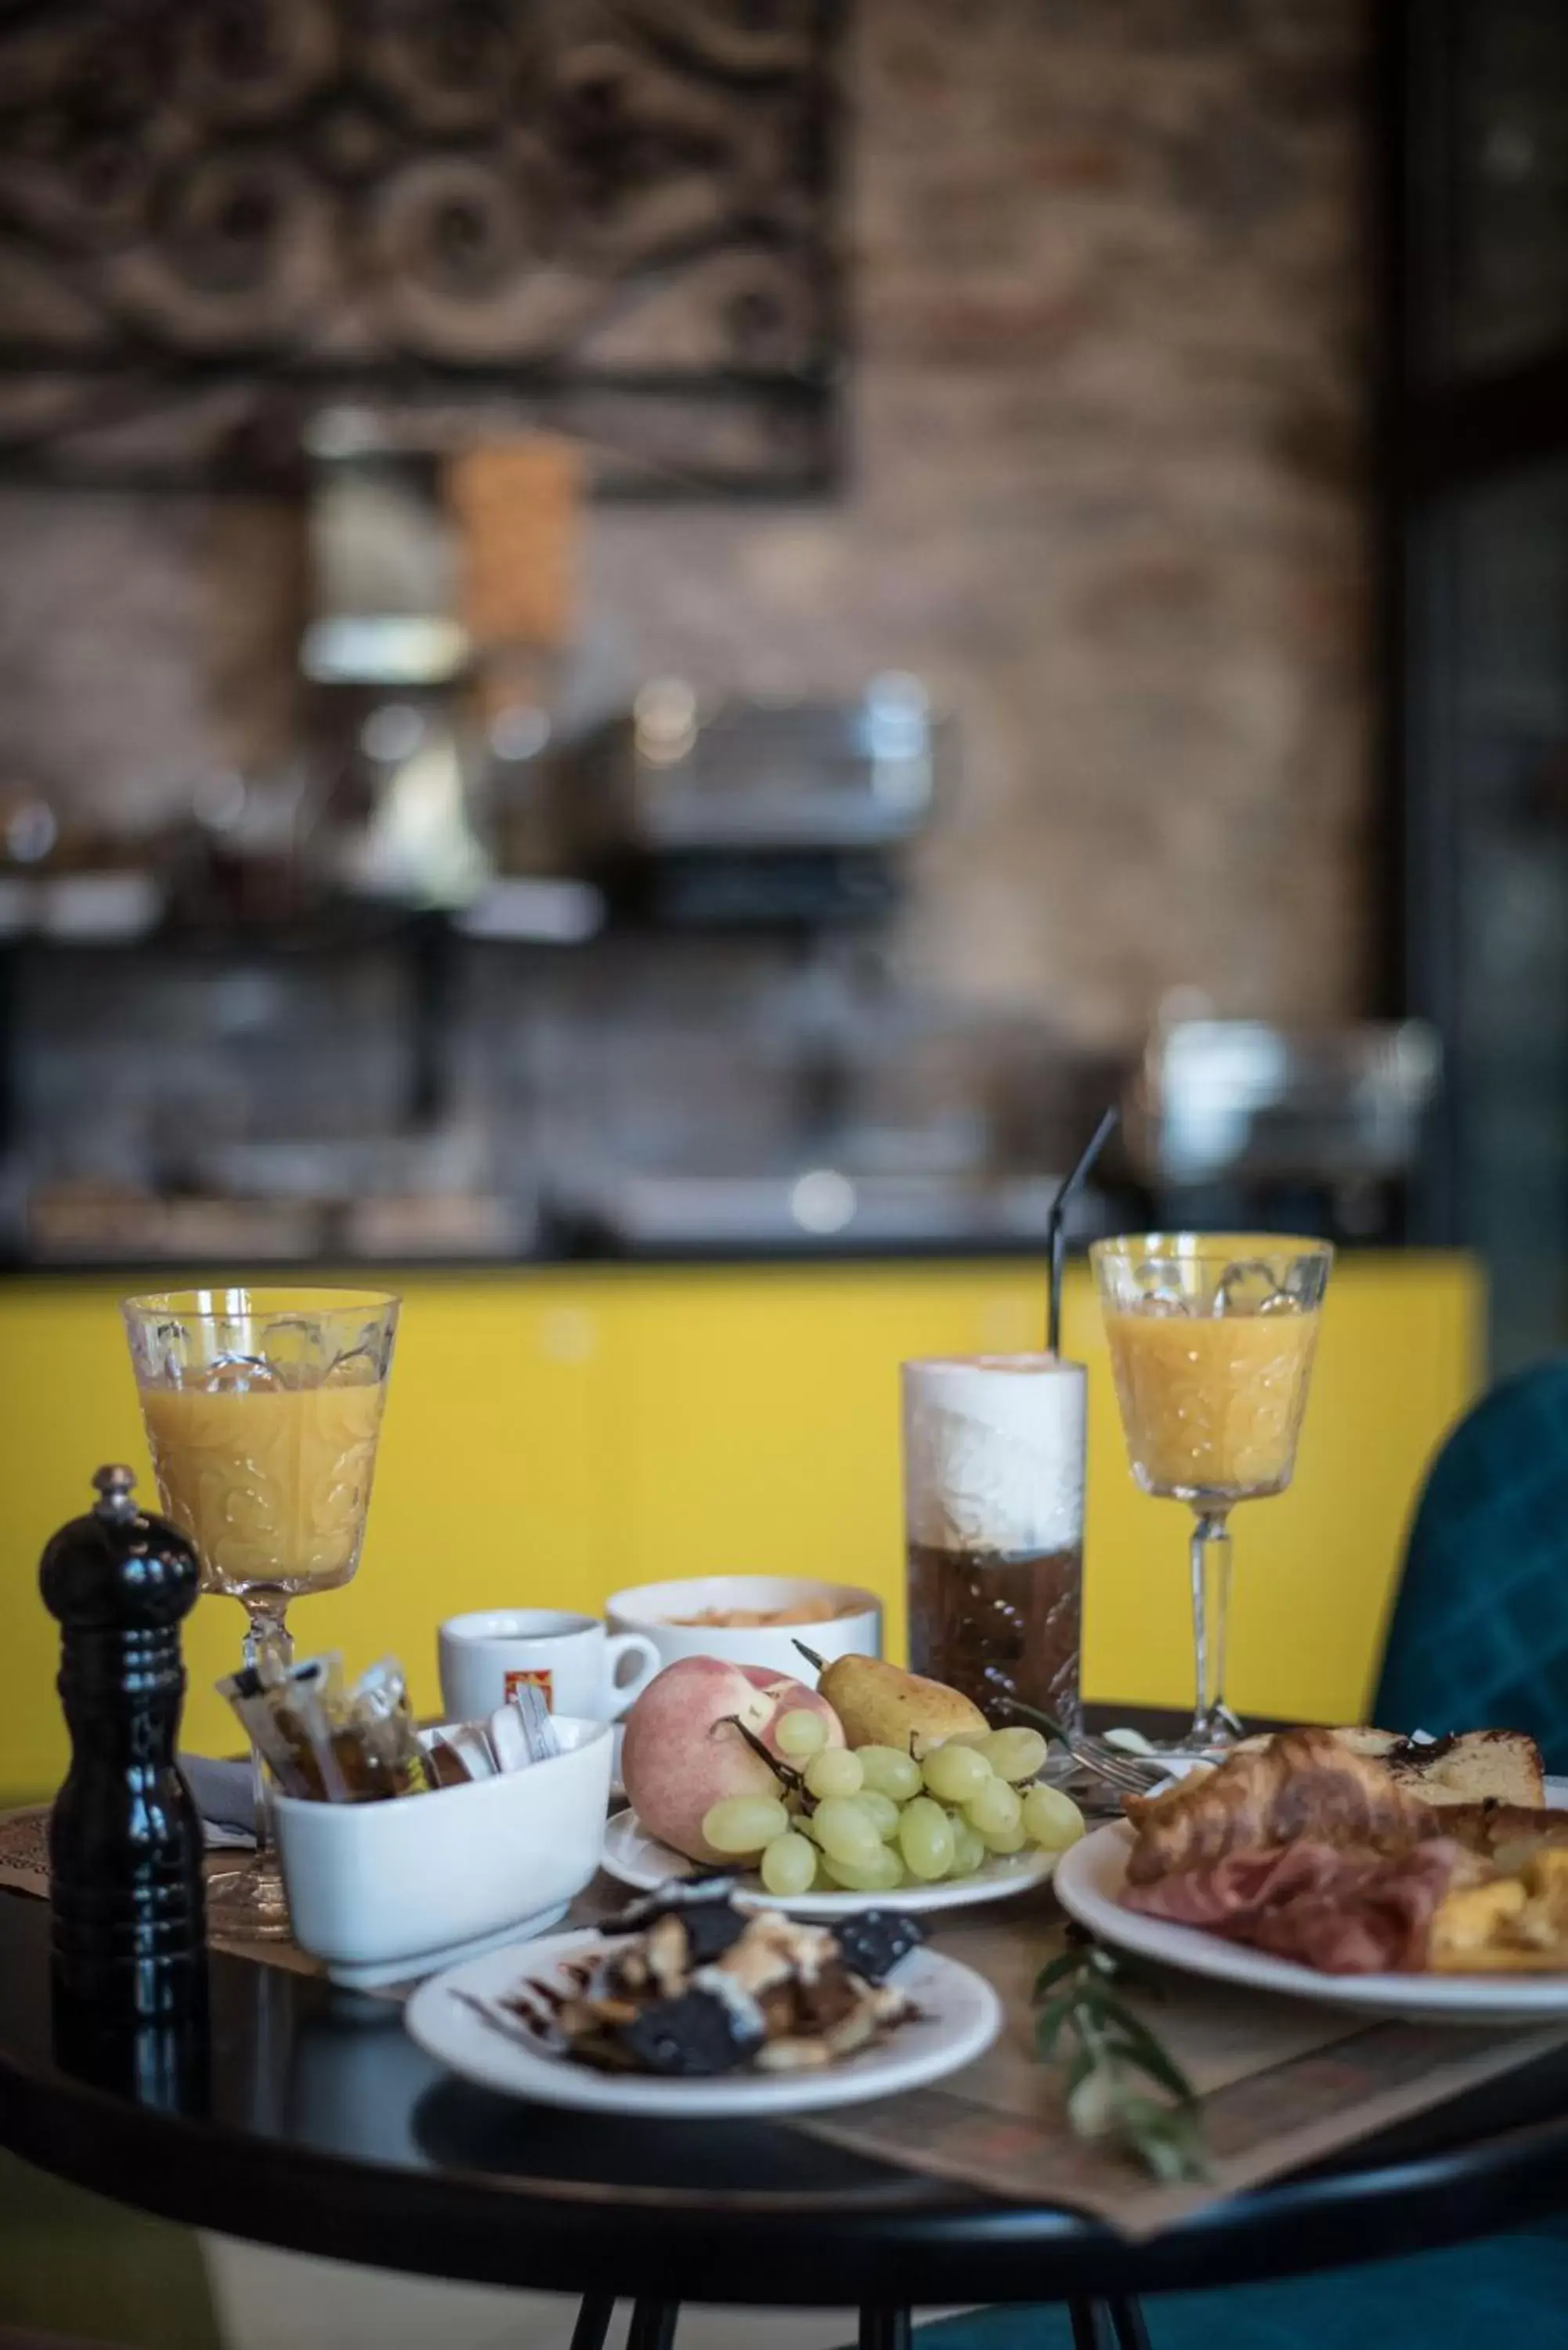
{"points": [[1211, 1339], [261, 1408]]}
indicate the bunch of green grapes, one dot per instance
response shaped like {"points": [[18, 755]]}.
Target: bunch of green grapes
{"points": [[879, 1819]]}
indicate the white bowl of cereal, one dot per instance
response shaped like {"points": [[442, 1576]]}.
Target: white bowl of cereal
{"points": [[752, 1619]]}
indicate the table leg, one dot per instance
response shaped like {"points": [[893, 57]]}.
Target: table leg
{"points": [[652, 2325], [1084, 2316], [593, 2321], [1127, 2323], [885, 2329]]}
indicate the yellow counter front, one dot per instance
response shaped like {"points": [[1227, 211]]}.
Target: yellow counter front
{"points": [[553, 1434]]}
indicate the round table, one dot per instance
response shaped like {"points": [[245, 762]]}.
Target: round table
{"points": [[308, 2119]]}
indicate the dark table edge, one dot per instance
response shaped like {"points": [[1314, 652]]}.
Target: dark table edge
{"points": [[919, 2246]]}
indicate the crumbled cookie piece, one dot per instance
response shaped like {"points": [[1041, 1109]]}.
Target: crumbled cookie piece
{"points": [[700, 1988]]}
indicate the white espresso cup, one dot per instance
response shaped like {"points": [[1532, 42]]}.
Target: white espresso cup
{"points": [[577, 1668]]}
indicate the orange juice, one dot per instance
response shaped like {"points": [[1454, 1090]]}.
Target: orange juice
{"points": [[1211, 1403], [271, 1484]]}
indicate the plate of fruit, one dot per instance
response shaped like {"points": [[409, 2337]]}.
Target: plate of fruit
{"points": [[829, 1800]]}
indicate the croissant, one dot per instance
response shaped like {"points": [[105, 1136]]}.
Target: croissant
{"points": [[1303, 1783]]}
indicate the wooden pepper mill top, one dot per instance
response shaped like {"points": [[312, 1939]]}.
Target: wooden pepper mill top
{"points": [[125, 1837]]}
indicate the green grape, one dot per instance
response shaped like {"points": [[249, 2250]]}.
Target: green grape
{"points": [[744, 1824], [890, 1771], [834, 1771], [789, 1866], [953, 1773], [926, 1839], [1052, 1818], [879, 1876], [1006, 1841], [995, 1809], [1013, 1754], [847, 1832], [969, 1846], [883, 1810], [800, 1733]]}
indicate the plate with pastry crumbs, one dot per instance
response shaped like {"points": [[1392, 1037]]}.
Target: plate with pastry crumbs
{"points": [[1305, 1865], [696, 2007]]}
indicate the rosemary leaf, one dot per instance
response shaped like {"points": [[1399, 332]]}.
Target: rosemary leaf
{"points": [[1152, 2059], [1049, 2022], [1141, 2040], [1082, 2065], [1069, 1963]]}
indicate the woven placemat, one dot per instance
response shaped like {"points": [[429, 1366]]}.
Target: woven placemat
{"points": [[24, 1850], [1281, 2082]]}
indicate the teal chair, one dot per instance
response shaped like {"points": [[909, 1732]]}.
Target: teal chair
{"points": [[1479, 1635], [1512, 2291]]}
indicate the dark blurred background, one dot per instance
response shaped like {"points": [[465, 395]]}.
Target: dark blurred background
{"points": [[692, 626]]}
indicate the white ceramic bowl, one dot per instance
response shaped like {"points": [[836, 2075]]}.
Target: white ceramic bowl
{"points": [[382, 1891], [651, 1608]]}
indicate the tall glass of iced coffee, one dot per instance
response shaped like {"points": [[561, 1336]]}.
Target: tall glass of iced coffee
{"points": [[993, 1513]]}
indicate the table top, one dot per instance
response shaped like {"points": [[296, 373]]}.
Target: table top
{"points": [[306, 2117]]}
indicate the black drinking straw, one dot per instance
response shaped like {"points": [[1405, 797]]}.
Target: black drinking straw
{"points": [[1056, 1229]]}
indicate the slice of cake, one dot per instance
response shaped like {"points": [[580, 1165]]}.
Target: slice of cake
{"points": [[1470, 1766]]}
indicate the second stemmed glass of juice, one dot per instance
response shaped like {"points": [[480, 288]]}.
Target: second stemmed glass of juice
{"points": [[1211, 1339]]}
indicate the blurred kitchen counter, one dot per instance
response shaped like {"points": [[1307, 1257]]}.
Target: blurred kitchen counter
{"points": [[556, 1432]]}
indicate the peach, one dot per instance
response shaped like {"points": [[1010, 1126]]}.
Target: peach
{"points": [[683, 1753]]}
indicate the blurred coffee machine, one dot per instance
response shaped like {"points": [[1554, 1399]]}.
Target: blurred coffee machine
{"points": [[742, 811]]}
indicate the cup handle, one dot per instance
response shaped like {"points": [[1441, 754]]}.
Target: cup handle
{"points": [[629, 1644]]}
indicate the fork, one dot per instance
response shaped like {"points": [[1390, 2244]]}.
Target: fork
{"points": [[1130, 1774]]}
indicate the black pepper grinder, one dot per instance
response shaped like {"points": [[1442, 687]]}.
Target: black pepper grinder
{"points": [[125, 1837]]}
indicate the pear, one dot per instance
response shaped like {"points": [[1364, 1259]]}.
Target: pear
{"points": [[881, 1705]]}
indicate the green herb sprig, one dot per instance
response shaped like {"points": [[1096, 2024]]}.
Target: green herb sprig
{"points": [[1109, 2053]]}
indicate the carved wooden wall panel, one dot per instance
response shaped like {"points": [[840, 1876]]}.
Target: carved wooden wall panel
{"points": [[220, 217]]}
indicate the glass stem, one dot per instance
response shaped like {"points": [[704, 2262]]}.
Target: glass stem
{"points": [[1213, 1723], [266, 1635]]}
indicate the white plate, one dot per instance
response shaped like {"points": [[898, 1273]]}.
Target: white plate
{"points": [[960, 2017], [1089, 1878], [639, 1860]]}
